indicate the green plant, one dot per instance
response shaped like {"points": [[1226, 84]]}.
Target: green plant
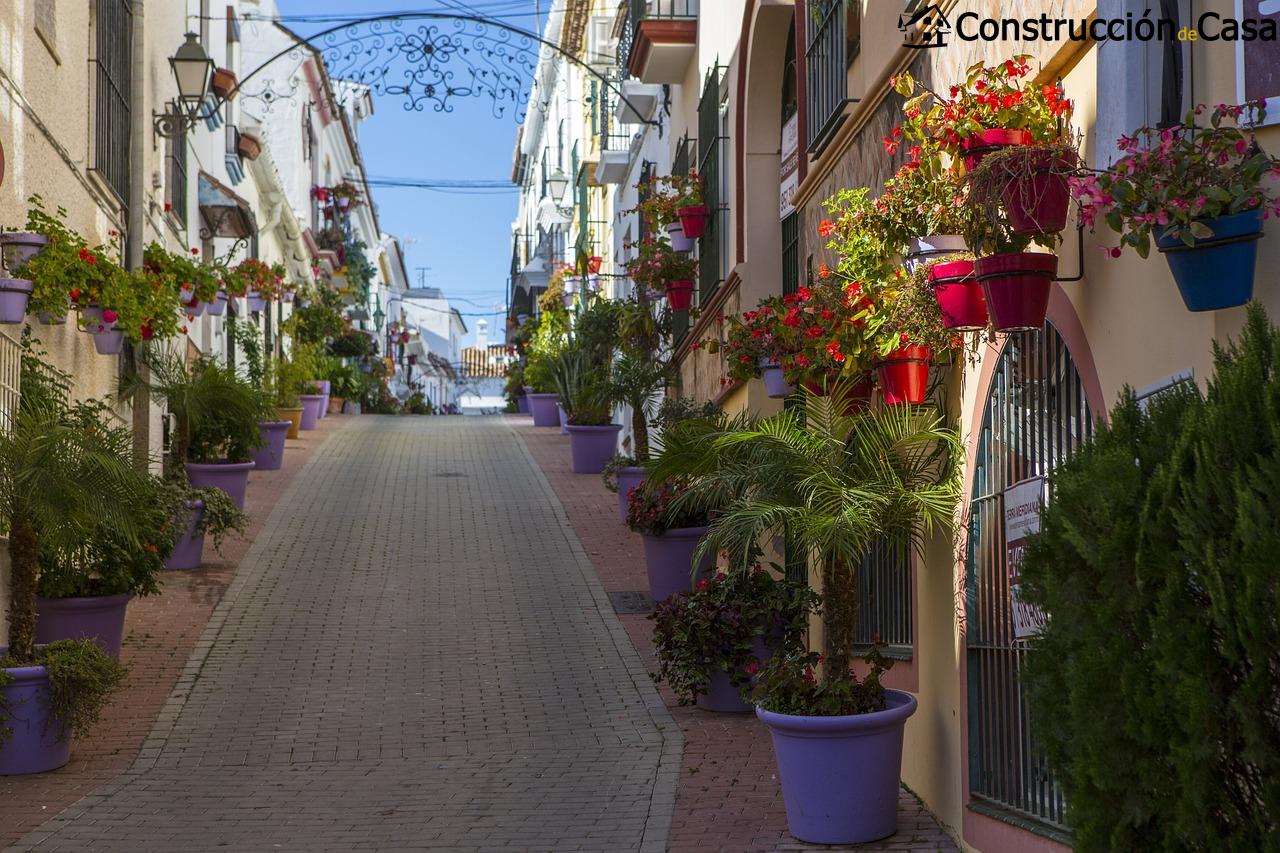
{"points": [[318, 322], [1172, 179], [219, 519], [215, 412], [1016, 170], [1155, 564], [579, 385], [919, 203], [633, 380], [788, 683], [673, 410], [663, 195], [417, 404], [652, 507], [908, 315], [62, 271], [609, 475], [352, 343], [716, 628], [837, 485], [549, 339], [82, 678]]}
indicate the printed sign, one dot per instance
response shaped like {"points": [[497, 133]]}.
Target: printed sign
{"points": [[1022, 503], [790, 165], [1258, 60]]}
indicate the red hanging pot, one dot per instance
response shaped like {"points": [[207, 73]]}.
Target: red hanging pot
{"points": [[594, 263], [859, 394], [1037, 203], [1016, 286], [959, 295], [904, 375], [981, 144], [680, 295], [693, 219]]}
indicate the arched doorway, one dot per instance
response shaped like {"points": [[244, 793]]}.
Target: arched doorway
{"points": [[1036, 412]]}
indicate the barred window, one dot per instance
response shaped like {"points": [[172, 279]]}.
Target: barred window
{"points": [[113, 62], [176, 176]]}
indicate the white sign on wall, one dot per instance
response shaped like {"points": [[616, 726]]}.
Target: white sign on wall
{"points": [[790, 177], [1022, 504]]}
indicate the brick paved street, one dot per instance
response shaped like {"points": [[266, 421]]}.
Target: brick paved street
{"points": [[415, 653]]}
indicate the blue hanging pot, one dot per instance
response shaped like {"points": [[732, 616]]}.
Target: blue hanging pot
{"points": [[1218, 271]]}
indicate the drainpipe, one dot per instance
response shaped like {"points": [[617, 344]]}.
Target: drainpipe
{"points": [[137, 218]]}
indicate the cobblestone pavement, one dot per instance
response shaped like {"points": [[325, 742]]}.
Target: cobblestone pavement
{"points": [[728, 798], [414, 654]]}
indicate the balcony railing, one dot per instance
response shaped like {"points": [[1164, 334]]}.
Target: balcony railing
{"points": [[645, 10]]}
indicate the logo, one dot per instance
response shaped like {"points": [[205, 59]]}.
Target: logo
{"points": [[924, 28]]}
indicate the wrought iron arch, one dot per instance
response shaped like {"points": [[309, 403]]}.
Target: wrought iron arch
{"points": [[499, 60]]}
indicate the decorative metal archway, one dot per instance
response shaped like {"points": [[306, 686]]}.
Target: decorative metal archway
{"points": [[427, 58]]}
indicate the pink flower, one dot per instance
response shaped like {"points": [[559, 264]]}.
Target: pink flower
{"points": [[109, 315]]}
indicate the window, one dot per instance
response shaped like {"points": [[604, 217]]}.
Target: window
{"points": [[712, 244], [113, 64], [176, 176], [884, 600], [1035, 414], [827, 70]]}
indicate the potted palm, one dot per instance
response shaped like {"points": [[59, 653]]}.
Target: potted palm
{"points": [[838, 485], [216, 416], [593, 437], [1199, 193], [60, 484]]}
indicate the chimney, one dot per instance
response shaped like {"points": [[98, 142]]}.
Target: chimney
{"points": [[482, 335]]}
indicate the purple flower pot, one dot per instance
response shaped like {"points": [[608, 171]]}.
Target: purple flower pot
{"points": [[522, 404], [109, 342], [14, 293], [196, 308], [18, 247], [721, 696], [100, 618], [668, 560], [188, 551], [231, 477], [256, 303], [311, 404], [628, 479], [218, 306], [840, 775], [325, 387], [36, 744], [543, 409], [270, 456], [775, 383], [592, 446]]}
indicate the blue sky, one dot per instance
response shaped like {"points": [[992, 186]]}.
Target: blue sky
{"points": [[463, 240]]}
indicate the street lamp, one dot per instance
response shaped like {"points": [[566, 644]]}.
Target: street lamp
{"points": [[192, 67], [557, 183]]}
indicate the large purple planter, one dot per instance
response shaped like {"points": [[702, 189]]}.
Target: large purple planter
{"points": [[564, 419], [668, 560], [14, 294], [592, 446], [188, 551], [270, 456], [231, 477], [522, 404], [324, 386], [543, 409], [311, 404], [628, 479], [35, 744], [100, 618], [840, 775]]}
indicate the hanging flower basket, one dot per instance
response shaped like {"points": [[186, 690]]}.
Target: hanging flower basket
{"points": [[959, 295], [1036, 199], [1218, 271], [14, 295], [904, 375], [694, 220], [981, 144], [680, 295], [680, 241], [924, 249], [1016, 286], [775, 381], [257, 304], [218, 306], [594, 263]]}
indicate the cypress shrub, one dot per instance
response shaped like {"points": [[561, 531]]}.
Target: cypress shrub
{"points": [[1155, 686]]}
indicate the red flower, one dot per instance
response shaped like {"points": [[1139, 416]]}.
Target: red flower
{"points": [[823, 270], [753, 667], [804, 294], [826, 227], [702, 584]]}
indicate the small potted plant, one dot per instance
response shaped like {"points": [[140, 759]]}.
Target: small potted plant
{"points": [[959, 294], [593, 437], [907, 334], [549, 339], [711, 643], [921, 213], [670, 535], [676, 271], [260, 282], [670, 202], [346, 195], [193, 515], [997, 110], [756, 345], [1199, 194], [216, 416]]}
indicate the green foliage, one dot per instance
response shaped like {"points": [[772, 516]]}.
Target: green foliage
{"points": [[60, 269], [837, 484], [318, 322], [352, 343], [215, 411], [613, 467], [220, 518], [417, 404], [788, 684], [549, 340], [633, 380], [82, 678], [672, 410], [1154, 682], [716, 629]]}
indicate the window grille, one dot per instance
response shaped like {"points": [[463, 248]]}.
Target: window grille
{"points": [[113, 64], [712, 243]]}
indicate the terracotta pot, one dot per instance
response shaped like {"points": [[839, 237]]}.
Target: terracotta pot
{"points": [[293, 416], [248, 146], [224, 84]]}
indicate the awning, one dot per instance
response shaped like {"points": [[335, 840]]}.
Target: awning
{"points": [[225, 214]]}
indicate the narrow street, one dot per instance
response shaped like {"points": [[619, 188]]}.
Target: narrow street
{"points": [[415, 653]]}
